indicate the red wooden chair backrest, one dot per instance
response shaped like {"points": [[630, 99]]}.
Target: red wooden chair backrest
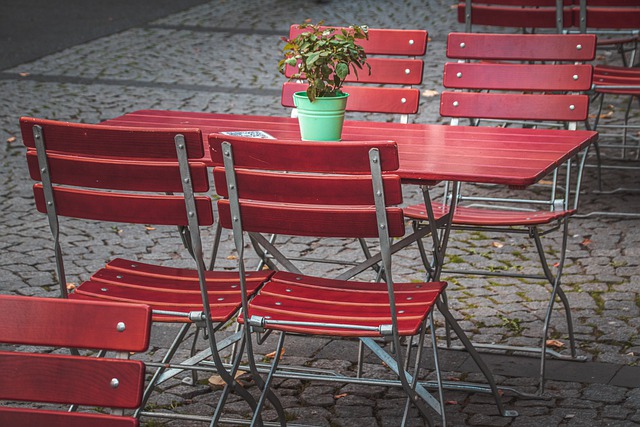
{"points": [[312, 199], [517, 91], [367, 96], [85, 160], [530, 14], [65, 379], [607, 14]]}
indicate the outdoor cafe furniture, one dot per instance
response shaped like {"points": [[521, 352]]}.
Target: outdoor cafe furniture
{"points": [[327, 189], [34, 373], [428, 154], [140, 176], [530, 80]]}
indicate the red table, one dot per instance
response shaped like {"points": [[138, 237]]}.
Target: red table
{"points": [[428, 153]]}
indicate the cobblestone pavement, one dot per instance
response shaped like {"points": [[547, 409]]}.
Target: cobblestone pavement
{"points": [[221, 57]]}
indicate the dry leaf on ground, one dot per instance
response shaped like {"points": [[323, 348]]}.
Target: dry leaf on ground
{"points": [[497, 244], [429, 93], [217, 381], [11, 139], [340, 396], [555, 343], [273, 354]]}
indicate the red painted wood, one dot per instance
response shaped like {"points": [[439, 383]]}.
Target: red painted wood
{"points": [[384, 70], [398, 71], [110, 141], [465, 215], [32, 321], [610, 17], [388, 41], [427, 153], [118, 174], [514, 14], [305, 220], [331, 301], [168, 288], [366, 99], [522, 47], [327, 156], [27, 417], [70, 379], [121, 207], [525, 77], [65, 379], [514, 106], [298, 188]]}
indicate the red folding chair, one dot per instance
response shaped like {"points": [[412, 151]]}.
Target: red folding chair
{"points": [[44, 378], [345, 190], [527, 15], [494, 82], [395, 58], [617, 25], [139, 176]]}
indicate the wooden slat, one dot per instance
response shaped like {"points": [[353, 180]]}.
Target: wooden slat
{"points": [[303, 220], [333, 302], [511, 106], [29, 417], [366, 99], [513, 17], [123, 207], [465, 215], [619, 18], [55, 322], [118, 174], [299, 188], [111, 141], [388, 41], [522, 47], [526, 77], [71, 379], [397, 71], [331, 157]]}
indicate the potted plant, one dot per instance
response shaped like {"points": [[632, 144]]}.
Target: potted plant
{"points": [[325, 56]]}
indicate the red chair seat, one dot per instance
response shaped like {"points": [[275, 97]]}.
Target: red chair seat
{"points": [[490, 217], [168, 288], [300, 298]]}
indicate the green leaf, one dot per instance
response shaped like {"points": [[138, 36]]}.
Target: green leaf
{"points": [[342, 70]]}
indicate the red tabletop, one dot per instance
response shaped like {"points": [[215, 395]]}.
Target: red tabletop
{"points": [[428, 153]]}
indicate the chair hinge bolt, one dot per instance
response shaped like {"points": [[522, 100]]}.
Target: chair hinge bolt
{"points": [[120, 327], [579, 47], [115, 383]]}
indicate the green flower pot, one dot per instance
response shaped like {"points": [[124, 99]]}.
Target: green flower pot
{"points": [[322, 119]]}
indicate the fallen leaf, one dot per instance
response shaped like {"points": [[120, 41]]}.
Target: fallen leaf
{"points": [[23, 74], [340, 396], [497, 244], [429, 93], [11, 139], [231, 257], [71, 286], [149, 228], [555, 343], [545, 182], [556, 264], [273, 354], [451, 402], [217, 381], [585, 242]]}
